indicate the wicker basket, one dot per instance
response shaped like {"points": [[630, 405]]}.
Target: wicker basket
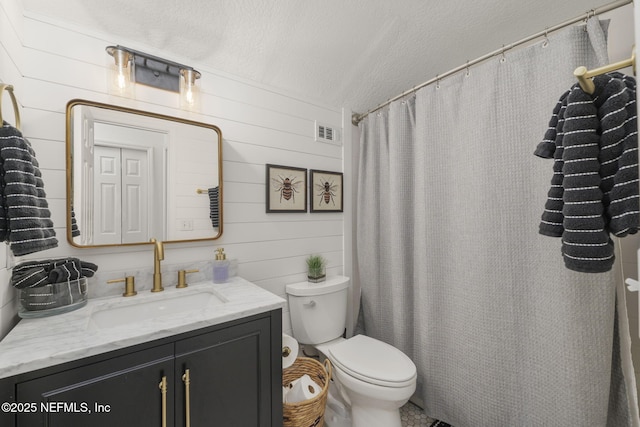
{"points": [[308, 413]]}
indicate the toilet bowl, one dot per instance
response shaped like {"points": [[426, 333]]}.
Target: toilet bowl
{"points": [[374, 378]]}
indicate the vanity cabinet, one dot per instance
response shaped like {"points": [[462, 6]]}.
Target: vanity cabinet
{"points": [[223, 375], [225, 380], [109, 393]]}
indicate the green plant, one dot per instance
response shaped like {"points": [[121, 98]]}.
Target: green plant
{"points": [[316, 262], [316, 268]]}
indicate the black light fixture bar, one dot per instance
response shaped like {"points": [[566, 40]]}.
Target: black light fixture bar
{"points": [[154, 71]]}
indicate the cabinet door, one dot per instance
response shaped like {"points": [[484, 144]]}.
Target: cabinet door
{"points": [[123, 391], [230, 377]]}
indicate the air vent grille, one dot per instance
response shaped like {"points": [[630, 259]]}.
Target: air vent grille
{"points": [[326, 133]]}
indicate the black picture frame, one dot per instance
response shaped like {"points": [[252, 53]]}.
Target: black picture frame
{"points": [[326, 191], [286, 189]]}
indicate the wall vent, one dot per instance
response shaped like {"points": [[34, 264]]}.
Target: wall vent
{"points": [[329, 134]]}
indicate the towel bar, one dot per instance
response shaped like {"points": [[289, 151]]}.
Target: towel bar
{"points": [[584, 76]]}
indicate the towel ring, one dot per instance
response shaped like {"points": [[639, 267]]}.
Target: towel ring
{"points": [[14, 101]]}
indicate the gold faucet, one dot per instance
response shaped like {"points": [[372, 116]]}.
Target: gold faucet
{"points": [[158, 255]]}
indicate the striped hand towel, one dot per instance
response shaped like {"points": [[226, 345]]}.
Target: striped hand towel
{"points": [[25, 219]]}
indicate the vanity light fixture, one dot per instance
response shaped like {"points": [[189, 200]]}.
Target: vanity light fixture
{"points": [[120, 72], [132, 66]]}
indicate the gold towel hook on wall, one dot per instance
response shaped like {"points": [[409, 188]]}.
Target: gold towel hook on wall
{"points": [[14, 101]]}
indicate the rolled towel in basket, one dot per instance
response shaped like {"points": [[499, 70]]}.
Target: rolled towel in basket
{"points": [[53, 295], [34, 274]]}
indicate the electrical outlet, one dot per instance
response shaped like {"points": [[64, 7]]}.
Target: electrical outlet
{"points": [[185, 225]]}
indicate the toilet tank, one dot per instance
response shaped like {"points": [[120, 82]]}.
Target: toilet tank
{"points": [[318, 310]]}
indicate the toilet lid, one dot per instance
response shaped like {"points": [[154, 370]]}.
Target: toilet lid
{"points": [[373, 361]]}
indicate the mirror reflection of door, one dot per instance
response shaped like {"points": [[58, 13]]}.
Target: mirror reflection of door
{"points": [[121, 190], [122, 168]]}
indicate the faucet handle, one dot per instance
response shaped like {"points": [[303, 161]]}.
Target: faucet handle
{"points": [[182, 278], [129, 287]]}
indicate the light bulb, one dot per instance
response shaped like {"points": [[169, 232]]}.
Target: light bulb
{"points": [[189, 99], [120, 72]]}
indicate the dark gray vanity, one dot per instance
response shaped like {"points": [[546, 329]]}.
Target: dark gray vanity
{"points": [[206, 370]]}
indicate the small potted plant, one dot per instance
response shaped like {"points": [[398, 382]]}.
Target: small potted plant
{"points": [[316, 268]]}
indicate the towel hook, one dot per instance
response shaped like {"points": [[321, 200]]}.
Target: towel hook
{"points": [[14, 101]]}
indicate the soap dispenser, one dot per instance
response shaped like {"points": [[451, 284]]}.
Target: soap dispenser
{"points": [[220, 267]]}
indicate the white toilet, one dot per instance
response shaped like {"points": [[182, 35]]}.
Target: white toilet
{"points": [[375, 378]]}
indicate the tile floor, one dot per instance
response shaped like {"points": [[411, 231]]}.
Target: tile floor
{"points": [[413, 416]]}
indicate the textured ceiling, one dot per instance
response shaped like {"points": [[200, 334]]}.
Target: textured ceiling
{"points": [[353, 53]]}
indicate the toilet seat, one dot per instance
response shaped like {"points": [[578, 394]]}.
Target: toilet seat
{"points": [[373, 361]]}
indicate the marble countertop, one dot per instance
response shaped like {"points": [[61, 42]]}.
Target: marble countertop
{"points": [[40, 343]]}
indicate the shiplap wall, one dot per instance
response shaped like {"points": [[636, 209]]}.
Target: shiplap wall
{"points": [[50, 64]]}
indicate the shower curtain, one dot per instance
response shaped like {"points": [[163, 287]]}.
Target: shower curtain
{"points": [[452, 269]]}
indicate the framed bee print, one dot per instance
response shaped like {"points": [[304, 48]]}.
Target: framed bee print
{"points": [[326, 191], [286, 189]]}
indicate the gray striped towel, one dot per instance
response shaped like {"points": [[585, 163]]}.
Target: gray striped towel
{"points": [[75, 231], [551, 148], [594, 190], [25, 219], [214, 206], [34, 274], [53, 296]]}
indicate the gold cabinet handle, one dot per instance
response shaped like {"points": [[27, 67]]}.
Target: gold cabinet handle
{"points": [[163, 390], [187, 381]]}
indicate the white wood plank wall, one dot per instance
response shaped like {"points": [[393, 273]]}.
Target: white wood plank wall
{"points": [[51, 64]]}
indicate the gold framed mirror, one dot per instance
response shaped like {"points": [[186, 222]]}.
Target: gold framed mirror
{"points": [[134, 175]]}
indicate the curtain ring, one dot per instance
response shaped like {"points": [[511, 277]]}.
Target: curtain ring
{"points": [[503, 57], [437, 81], [413, 92], [545, 43], [468, 72], [591, 12], [585, 22]]}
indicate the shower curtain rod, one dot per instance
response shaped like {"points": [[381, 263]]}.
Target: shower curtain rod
{"points": [[357, 118]]}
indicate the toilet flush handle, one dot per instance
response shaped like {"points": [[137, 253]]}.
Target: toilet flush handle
{"points": [[310, 304]]}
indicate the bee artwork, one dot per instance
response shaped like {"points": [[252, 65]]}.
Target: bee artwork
{"points": [[286, 189], [326, 190]]}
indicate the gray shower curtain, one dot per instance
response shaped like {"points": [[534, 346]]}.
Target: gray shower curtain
{"points": [[452, 269]]}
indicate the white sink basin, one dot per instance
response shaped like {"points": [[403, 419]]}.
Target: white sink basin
{"points": [[154, 308]]}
